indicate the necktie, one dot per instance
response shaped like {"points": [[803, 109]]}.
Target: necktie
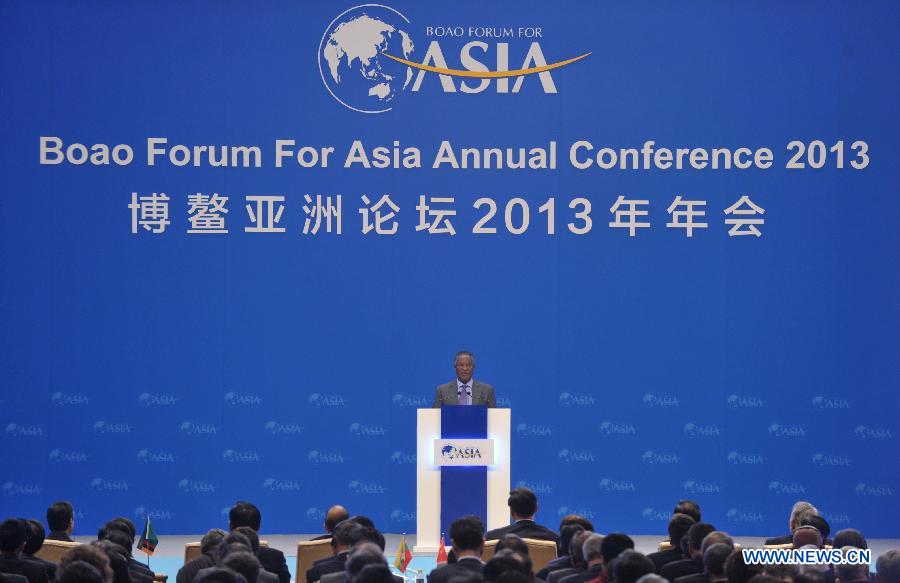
{"points": [[464, 395]]}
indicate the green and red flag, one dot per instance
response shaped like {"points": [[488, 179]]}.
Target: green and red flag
{"points": [[404, 556], [147, 543]]}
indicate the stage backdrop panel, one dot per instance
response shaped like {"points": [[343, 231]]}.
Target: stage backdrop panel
{"points": [[214, 287]]}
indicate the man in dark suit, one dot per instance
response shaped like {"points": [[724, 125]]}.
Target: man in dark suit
{"points": [[345, 535], [34, 542], [121, 531], [716, 537], [335, 514], [630, 566], [272, 560], [800, 511], [679, 525], [522, 507], [209, 546], [61, 521], [464, 390], [693, 564], [599, 552], [13, 534], [467, 536]]}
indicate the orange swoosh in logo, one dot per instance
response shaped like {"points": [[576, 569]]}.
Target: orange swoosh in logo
{"points": [[487, 74]]}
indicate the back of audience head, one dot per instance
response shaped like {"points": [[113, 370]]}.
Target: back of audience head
{"points": [[34, 537], [120, 538], [591, 549], [508, 566], [799, 511], [244, 514], [361, 555], [252, 537], [688, 507], [819, 524], [888, 567], [652, 578], [566, 533], [60, 516], [739, 571], [335, 514], [127, 524], [613, 544], [13, 535], [118, 559], [807, 535], [79, 572], [679, 525], [374, 573], [696, 534], [346, 534], [220, 575], [630, 566], [373, 535], [91, 555], [714, 558], [361, 520], [848, 573], [244, 563], [781, 571], [234, 542], [211, 540], [849, 537], [522, 503], [811, 576], [714, 538], [576, 548], [575, 520], [512, 542], [467, 535]]}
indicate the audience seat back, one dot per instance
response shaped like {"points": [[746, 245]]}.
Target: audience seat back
{"points": [[53, 550], [541, 552], [308, 552]]}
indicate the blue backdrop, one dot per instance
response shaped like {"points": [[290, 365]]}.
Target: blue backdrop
{"points": [[172, 373]]}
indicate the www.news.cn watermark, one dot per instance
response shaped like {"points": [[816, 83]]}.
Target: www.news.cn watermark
{"points": [[807, 556]]}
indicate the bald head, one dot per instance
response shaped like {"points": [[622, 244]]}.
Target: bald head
{"points": [[806, 535], [335, 514]]}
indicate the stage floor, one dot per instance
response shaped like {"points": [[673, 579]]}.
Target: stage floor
{"points": [[169, 556]]}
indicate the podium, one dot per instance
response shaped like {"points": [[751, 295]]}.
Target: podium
{"points": [[462, 467]]}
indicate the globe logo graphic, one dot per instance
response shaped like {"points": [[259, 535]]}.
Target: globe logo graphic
{"points": [[352, 65]]}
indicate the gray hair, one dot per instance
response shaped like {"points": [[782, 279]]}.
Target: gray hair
{"points": [[652, 578], [888, 566], [801, 510], [591, 548], [464, 353]]}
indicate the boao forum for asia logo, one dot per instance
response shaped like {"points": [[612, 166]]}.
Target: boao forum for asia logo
{"points": [[367, 58]]}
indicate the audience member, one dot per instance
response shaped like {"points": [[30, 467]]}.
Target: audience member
{"points": [[88, 554], [694, 563], [630, 566], [272, 560], [849, 537], [564, 551], [713, 538], [61, 521], [887, 567], [467, 537], [79, 572], [335, 514], [13, 535], [247, 565], [851, 573], [688, 507], [209, 549], [512, 542], [221, 575], [118, 562], [807, 535], [800, 511], [508, 567], [679, 525], [737, 571], [569, 525], [375, 573], [819, 524], [522, 508], [576, 557], [592, 557], [362, 555], [714, 558], [781, 571], [33, 543], [345, 535]]}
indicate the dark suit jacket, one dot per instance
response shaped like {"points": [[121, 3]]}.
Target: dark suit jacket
{"points": [[59, 535], [321, 537], [331, 564], [677, 569], [18, 566], [12, 578], [448, 394], [190, 569], [695, 578], [465, 566], [584, 576], [560, 574], [564, 562], [662, 558], [272, 560], [48, 566], [525, 529], [264, 576], [140, 573]]}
